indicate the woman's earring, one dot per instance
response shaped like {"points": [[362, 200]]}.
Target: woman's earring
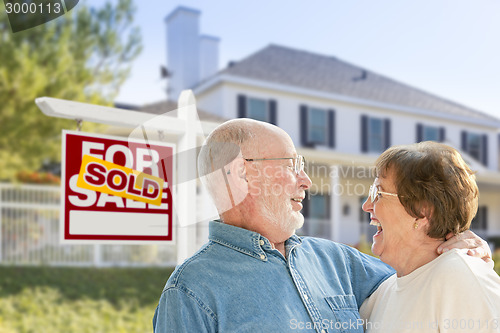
{"points": [[415, 226]]}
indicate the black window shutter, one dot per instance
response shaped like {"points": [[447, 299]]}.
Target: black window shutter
{"points": [[364, 133], [484, 212], [331, 128], [272, 111], [484, 152], [463, 143], [303, 126], [420, 132], [305, 205], [328, 207], [242, 106], [387, 128], [442, 134]]}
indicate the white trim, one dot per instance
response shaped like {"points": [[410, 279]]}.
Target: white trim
{"points": [[335, 205], [60, 108], [342, 98]]}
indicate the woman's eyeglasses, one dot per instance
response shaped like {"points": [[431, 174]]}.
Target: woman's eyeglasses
{"points": [[375, 193]]}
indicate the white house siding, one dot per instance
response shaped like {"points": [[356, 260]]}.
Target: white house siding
{"points": [[490, 196], [222, 98]]}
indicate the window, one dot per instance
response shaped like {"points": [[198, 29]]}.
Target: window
{"points": [[430, 133], [375, 134], [317, 212], [480, 221], [257, 108], [364, 217], [318, 206], [317, 126], [366, 230], [476, 146]]}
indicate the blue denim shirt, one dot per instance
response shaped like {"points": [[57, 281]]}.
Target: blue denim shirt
{"points": [[238, 283]]}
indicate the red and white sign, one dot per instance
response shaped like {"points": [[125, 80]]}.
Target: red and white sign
{"points": [[97, 216]]}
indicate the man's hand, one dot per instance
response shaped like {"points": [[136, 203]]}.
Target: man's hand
{"points": [[477, 246]]}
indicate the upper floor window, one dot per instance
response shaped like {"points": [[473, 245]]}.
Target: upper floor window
{"points": [[430, 133], [317, 126], [375, 134], [476, 145], [257, 108]]}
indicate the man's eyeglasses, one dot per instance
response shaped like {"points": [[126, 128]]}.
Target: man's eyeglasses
{"points": [[375, 193], [298, 162]]}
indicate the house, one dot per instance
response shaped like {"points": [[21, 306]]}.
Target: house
{"points": [[340, 116]]}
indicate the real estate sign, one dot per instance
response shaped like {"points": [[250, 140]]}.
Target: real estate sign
{"points": [[115, 189]]}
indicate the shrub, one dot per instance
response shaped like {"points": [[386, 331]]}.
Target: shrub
{"points": [[93, 300]]}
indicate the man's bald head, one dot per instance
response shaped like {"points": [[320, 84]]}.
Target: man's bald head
{"points": [[226, 142], [238, 137]]}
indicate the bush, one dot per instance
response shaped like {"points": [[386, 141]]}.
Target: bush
{"points": [[48, 299], [35, 177], [496, 259]]}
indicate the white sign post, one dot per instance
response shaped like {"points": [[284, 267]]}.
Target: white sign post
{"points": [[185, 128]]}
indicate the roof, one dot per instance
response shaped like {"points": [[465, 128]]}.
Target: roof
{"points": [[283, 65]]}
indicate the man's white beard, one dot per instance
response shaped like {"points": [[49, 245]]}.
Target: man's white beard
{"points": [[279, 212]]}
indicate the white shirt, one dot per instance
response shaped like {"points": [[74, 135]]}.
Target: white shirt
{"points": [[452, 293]]}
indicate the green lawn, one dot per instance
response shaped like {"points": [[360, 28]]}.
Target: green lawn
{"points": [[50, 299], [90, 300]]}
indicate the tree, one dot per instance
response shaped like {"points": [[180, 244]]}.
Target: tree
{"points": [[83, 56]]}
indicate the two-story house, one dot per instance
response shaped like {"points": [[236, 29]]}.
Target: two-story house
{"points": [[340, 117]]}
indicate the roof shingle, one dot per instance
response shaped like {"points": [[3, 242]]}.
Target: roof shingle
{"points": [[282, 65]]}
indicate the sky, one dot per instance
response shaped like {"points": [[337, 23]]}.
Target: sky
{"points": [[450, 48]]}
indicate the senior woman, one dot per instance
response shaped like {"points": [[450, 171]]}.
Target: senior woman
{"points": [[422, 193]]}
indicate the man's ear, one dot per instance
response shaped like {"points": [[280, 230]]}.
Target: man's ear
{"points": [[241, 169], [236, 170], [237, 184]]}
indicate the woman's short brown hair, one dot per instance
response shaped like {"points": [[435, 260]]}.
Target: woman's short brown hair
{"points": [[432, 180]]}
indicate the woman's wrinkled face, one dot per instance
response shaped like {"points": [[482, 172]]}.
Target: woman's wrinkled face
{"points": [[395, 225]]}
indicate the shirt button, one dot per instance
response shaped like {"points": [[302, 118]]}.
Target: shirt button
{"points": [[262, 257], [261, 242]]}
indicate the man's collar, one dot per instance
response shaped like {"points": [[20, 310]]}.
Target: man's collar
{"points": [[243, 240]]}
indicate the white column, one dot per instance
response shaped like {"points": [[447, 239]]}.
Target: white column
{"points": [[335, 209], [97, 255], [186, 172]]}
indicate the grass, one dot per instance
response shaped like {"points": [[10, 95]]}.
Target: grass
{"points": [[85, 300], [54, 299], [496, 259]]}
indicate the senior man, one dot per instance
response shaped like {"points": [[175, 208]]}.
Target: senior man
{"points": [[255, 274]]}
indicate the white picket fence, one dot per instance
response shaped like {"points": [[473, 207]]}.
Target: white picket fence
{"points": [[29, 235]]}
